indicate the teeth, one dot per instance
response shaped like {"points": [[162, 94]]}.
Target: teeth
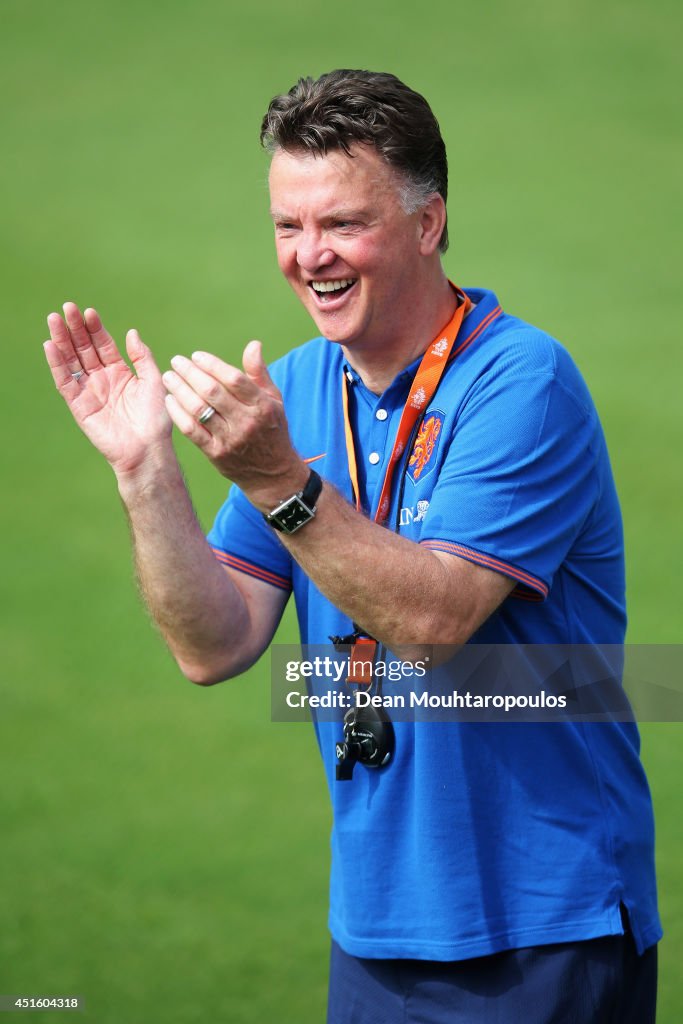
{"points": [[332, 286]]}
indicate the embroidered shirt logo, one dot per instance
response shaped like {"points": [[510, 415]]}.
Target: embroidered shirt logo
{"points": [[410, 515], [425, 445], [422, 507]]}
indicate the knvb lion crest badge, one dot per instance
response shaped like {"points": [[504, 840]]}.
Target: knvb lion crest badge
{"points": [[422, 458]]}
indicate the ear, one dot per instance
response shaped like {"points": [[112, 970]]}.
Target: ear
{"points": [[431, 223]]}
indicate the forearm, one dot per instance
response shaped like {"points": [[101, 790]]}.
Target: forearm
{"points": [[198, 610], [396, 590]]}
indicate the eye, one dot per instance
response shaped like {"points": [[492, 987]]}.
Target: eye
{"points": [[346, 225]]}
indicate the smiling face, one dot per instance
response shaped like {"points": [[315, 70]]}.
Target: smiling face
{"points": [[344, 242]]}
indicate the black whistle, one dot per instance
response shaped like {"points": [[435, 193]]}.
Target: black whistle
{"points": [[368, 739]]}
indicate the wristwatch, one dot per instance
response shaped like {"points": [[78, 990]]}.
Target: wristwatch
{"points": [[298, 510]]}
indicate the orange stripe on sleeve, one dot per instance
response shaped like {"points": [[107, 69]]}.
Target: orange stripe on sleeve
{"points": [[489, 562], [250, 569]]}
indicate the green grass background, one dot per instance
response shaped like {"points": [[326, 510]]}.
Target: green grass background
{"points": [[164, 849]]}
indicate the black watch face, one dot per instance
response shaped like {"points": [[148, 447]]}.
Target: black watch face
{"points": [[291, 515]]}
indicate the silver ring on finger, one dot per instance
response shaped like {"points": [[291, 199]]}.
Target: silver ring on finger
{"points": [[206, 414], [78, 374]]}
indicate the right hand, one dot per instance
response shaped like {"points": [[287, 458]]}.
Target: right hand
{"points": [[121, 412]]}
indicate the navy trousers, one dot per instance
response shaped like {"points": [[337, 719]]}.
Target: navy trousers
{"points": [[599, 981]]}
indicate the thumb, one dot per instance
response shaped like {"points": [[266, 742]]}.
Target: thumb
{"points": [[141, 357], [256, 369]]}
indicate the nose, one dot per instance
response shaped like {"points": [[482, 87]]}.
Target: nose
{"points": [[313, 251]]}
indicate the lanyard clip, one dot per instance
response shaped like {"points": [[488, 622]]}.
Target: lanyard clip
{"points": [[361, 658]]}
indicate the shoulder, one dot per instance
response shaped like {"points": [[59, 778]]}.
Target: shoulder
{"points": [[512, 351], [517, 346]]}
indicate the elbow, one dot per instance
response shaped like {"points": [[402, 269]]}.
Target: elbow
{"points": [[201, 678], [209, 667], [206, 673]]}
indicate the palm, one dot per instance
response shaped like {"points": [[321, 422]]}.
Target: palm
{"points": [[122, 414]]}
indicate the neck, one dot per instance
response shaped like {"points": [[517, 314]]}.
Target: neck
{"points": [[378, 365]]}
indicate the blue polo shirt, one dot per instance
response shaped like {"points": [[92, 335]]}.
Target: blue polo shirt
{"points": [[478, 837]]}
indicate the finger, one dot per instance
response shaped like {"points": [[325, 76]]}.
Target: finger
{"points": [[104, 344], [142, 358], [59, 333], [186, 423], [210, 390], [256, 369], [237, 383], [82, 343], [186, 397], [64, 380]]}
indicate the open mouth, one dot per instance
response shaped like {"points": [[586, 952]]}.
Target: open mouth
{"points": [[331, 291]]}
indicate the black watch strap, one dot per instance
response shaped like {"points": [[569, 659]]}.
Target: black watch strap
{"points": [[295, 512]]}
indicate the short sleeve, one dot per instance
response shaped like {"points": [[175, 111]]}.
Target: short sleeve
{"points": [[519, 478], [242, 540]]}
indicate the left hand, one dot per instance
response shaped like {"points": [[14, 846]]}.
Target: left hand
{"points": [[246, 439]]}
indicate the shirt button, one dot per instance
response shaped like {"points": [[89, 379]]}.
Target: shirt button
{"points": [[381, 414], [374, 458]]}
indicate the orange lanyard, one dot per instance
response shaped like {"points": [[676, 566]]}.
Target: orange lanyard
{"points": [[420, 395]]}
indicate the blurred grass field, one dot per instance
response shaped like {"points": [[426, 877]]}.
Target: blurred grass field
{"points": [[164, 848]]}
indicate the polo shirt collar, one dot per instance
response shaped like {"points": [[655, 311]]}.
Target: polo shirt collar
{"points": [[486, 310]]}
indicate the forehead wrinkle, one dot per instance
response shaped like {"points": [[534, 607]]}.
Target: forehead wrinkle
{"points": [[363, 166]]}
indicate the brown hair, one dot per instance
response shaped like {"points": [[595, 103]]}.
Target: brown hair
{"points": [[375, 108]]}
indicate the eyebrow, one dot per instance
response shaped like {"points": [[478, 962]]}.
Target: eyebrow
{"points": [[343, 214], [340, 214]]}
